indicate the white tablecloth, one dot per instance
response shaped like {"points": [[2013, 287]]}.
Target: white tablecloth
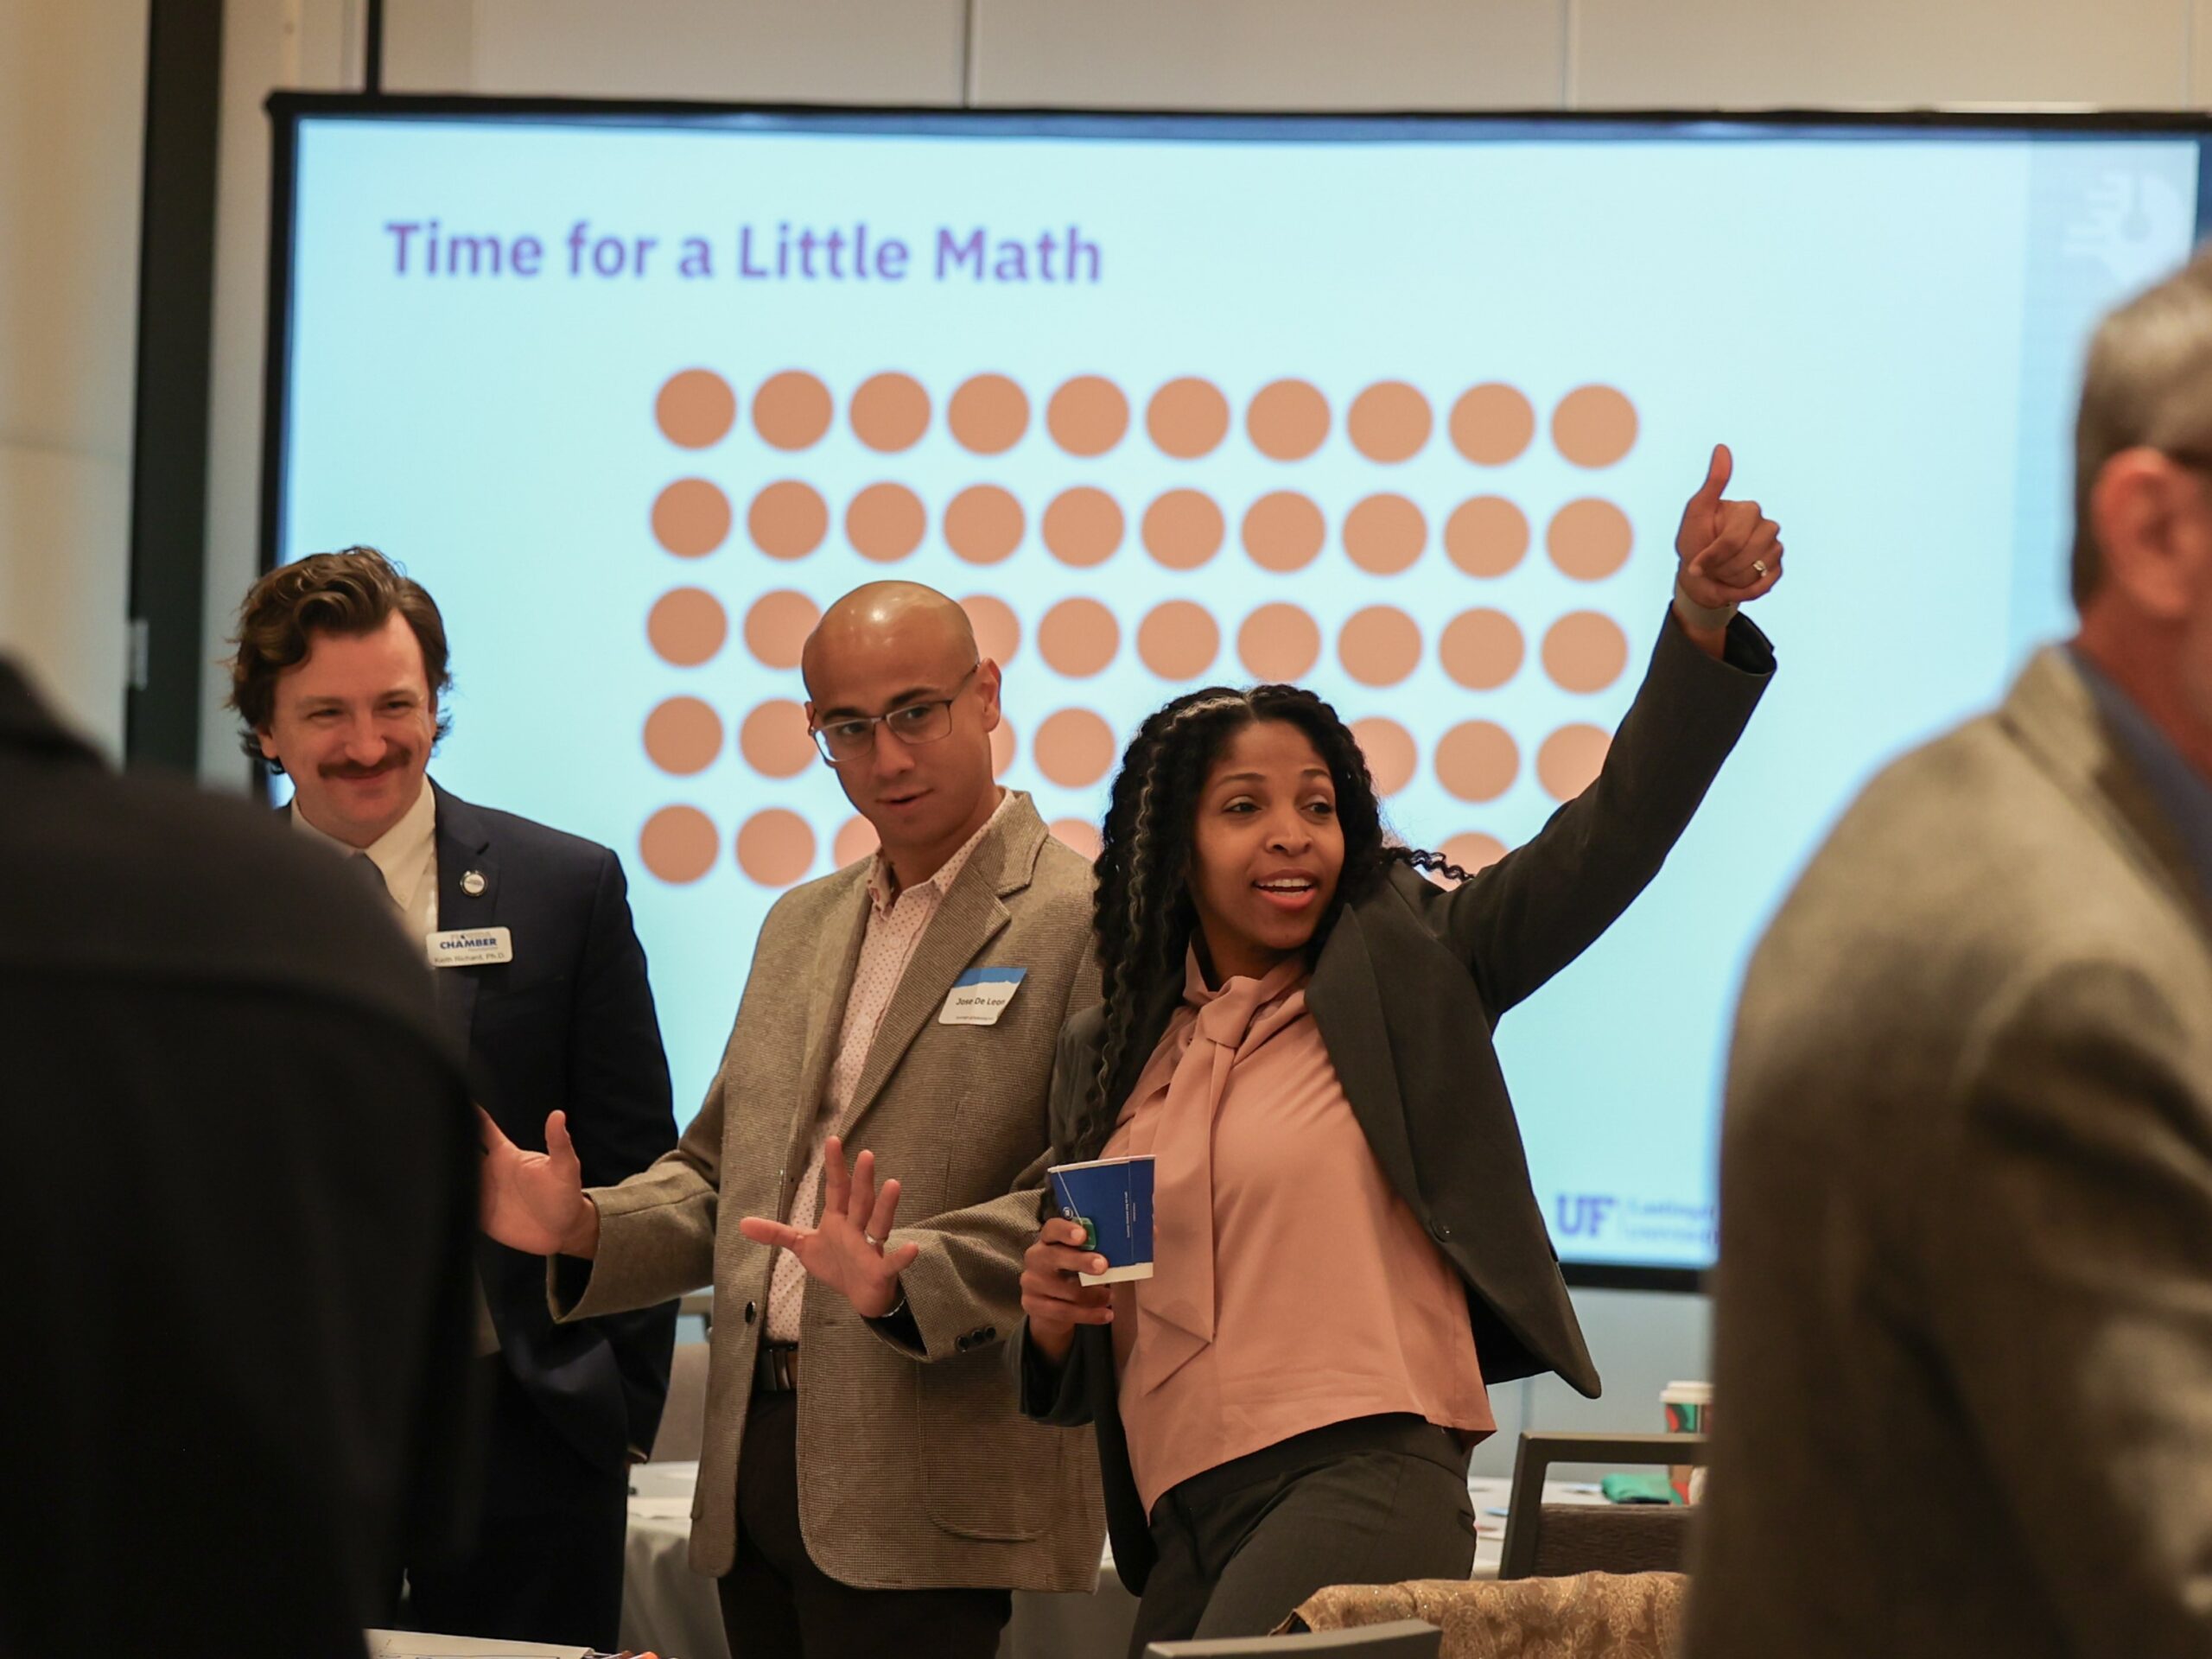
{"points": [[668, 1609]]}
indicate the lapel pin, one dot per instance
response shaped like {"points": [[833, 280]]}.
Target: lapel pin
{"points": [[473, 884]]}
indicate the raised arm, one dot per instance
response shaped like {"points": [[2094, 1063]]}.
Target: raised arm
{"points": [[1528, 915]]}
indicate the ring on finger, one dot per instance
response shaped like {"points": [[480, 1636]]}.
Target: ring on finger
{"points": [[872, 1238], [1758, 567]]}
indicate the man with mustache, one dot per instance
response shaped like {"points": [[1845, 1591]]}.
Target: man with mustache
{"points": [[338, 677]]}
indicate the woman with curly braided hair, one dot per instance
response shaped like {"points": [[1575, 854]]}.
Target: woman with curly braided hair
{"points": [[1297, 1028]]}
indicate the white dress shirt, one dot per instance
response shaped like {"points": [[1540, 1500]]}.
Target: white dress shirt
{"points": [[406, 855]]}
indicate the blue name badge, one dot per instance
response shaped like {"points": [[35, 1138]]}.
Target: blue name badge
{"points": [[980, 995]]}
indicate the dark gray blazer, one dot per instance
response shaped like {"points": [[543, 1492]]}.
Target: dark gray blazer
{"points": [[1409, 985]]}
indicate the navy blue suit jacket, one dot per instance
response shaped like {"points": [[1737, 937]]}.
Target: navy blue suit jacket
{"points": [[568, 1025]]}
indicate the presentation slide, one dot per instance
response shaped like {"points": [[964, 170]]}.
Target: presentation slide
{"points": [[1403, 410]]}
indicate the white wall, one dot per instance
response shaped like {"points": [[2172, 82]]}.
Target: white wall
{"points": [[1536, 55], [72, 83]]}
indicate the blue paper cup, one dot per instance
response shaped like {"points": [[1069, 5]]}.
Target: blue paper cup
{"points": [[1112, 1198]]}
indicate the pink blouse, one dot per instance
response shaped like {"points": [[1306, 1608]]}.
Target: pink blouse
{"points": [[1292, 1287]]}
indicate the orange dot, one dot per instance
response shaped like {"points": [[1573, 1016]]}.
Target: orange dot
{"points": [[984, 524], [988, 414], [1283, 531], [1491, 424], [777, 625], [1079, 833], [683, 735], [1379, 645], [792, 410], [775, 847], [1389, 748], [787, 520], [1486, 536], [690, 517], [1589, 539], [1389, 422], [1593, 426], [1078, 637], [696, 407], [1179, 640], [884, 522], [687, 625], [1571, 759], [1074, 747], [1088, 415], [1287, 420], [678, 844], [1385, 534], [1083, 526], [1278, 642], [1183, 529], [1474, 851], [998, 630], [1584, 651], [1187, 417], [774, 740], [857, 839], [1476, 761], [1481, 650], [1002, 747], [889, 412]]}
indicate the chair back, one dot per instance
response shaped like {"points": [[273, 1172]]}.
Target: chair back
{"points": [[683, 1418], [1403, 1638], [1551, 1540]]}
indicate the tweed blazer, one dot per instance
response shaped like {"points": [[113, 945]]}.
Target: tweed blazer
{"points": [[915, 1471], [1406, 991], [1963, 1334]]}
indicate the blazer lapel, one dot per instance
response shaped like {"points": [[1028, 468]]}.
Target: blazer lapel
{"points": [[466, 859], [836, 955], [1346, 1002], [967, 919]]}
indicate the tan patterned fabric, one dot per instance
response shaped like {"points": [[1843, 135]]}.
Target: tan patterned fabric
{"points": [[913, 1472], [1591, 1616], [897, 918]]}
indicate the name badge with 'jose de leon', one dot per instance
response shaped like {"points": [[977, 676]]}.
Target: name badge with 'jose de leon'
{"points": [[468, 947], [980, 995]]}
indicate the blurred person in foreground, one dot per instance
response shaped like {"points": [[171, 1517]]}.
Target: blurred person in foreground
{"points": [[1963, 1342], [340, 678], [238, 1325]]}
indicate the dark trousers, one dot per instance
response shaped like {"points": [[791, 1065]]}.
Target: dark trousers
{"points": [[777, 1604], [1372, 1501], [547, 1562]]}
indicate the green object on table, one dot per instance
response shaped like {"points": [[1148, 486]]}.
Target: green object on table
{"points": [[1637, 1489]]}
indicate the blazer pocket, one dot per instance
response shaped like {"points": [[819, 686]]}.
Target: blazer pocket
{"points": [[987, 1472]]}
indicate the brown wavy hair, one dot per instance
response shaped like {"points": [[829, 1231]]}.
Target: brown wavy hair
{"points": [[352, 592]]}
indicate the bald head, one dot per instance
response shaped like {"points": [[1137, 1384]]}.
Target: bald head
{"points": [[926, 780], [917, 624]]}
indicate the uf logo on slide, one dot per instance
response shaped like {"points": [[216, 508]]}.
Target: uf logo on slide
{"points": [[1582, 1214]]}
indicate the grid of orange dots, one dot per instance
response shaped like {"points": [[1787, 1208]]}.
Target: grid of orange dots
{"points": [[1485, 536]]}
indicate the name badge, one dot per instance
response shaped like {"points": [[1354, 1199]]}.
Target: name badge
{"points": [[980, 995], [466, 947]]}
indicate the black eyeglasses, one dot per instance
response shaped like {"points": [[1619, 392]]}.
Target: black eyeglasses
{"points": [[853, 737]]}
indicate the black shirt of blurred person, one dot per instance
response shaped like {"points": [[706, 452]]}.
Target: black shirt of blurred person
{"points": [[241, 1200]]}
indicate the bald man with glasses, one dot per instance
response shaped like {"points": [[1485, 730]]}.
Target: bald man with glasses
{"points": [[867, 1485]]}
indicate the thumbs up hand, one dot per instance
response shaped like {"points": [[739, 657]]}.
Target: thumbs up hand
{"points": [[1731, 552]]}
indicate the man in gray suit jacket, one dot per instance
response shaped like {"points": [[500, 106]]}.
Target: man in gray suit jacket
{"points": [[889, 1495], [1964, 1329]]}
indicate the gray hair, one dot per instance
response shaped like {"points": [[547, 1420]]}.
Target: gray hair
{"points": [[2148, 382]]}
